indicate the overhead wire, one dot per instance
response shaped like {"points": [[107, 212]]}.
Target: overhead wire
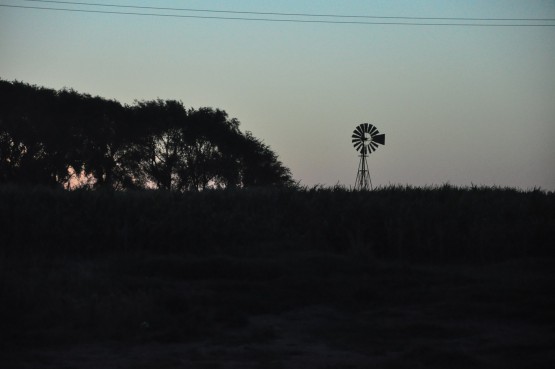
{"points": [[446, 21], [285, 14]]}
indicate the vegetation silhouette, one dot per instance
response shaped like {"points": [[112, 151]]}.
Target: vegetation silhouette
{"points": [[265, 272], [441, 224], [415, 273], [65, 138]]}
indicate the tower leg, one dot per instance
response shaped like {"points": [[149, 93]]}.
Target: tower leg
{"points": [[363, 180]]}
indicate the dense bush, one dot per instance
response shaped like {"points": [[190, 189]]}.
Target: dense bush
{"points": [[424, 224]]}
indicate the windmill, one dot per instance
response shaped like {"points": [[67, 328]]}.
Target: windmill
{"points": [[366, 139]]}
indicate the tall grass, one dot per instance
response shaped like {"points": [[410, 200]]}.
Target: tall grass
{"points": [[424, 224], [86, 266]]}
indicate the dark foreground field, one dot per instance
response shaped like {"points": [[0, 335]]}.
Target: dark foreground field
{"points": [[300, 311], [420, 283]]}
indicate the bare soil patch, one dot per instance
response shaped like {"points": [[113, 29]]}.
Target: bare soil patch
{"points": [[303, 311]]}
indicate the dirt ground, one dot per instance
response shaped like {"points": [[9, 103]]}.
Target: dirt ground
{"points": [[499, 316]]}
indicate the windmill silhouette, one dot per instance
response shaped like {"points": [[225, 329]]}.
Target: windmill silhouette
{"points": [[365, 139]]}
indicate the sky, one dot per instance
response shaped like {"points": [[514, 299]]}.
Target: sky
{"points": [[463, 105]]}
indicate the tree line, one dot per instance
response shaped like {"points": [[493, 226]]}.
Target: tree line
{"points": [[65, 138]]}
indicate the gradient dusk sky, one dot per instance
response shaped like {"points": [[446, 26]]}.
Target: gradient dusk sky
{"points": [[458, 104]]}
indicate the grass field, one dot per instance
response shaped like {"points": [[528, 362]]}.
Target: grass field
{"points": [[316, 278]]}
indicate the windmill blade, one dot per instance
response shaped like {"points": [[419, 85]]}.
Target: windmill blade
{"points": [[379, 139], [366, 138]]}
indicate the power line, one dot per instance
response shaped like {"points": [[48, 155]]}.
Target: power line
{"points": [[283, 20], [293, 14]]}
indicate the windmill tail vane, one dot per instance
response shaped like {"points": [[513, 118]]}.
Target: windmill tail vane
{"points": [[366, 138]]}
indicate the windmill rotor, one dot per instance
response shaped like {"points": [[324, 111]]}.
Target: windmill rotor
{"points": [[366, 139]]}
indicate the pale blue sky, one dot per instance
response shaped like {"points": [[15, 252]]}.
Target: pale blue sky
{"points": [[457, 104]]}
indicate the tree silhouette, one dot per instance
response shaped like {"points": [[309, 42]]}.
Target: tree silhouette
{"points": [[156, 152], [54, 137], [211, 157], [261, 166]]}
